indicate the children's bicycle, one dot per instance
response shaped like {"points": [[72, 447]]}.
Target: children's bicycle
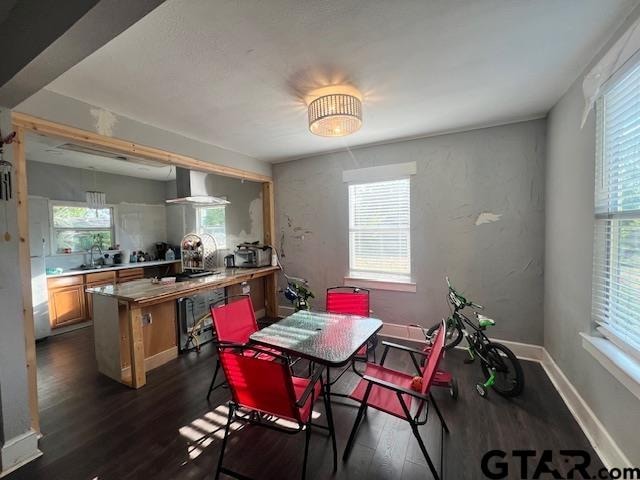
{"points": [[501, 369]]}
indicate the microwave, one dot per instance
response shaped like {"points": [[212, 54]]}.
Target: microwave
{"points": [[250, 255]]}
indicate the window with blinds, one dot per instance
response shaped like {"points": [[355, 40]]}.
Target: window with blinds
{"points": [[616, 272], [379, 222]]}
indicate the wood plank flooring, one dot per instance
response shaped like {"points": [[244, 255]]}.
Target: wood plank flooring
{"points": [[95, 428]]}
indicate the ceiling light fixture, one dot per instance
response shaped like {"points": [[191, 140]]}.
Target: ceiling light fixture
{"points": [[334, 111]]}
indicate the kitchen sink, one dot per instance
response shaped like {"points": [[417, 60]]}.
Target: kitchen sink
{"points": [[84, 268]]}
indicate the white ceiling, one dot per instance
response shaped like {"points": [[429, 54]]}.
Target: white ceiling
{"points": [[232, 73], [46, 149]]}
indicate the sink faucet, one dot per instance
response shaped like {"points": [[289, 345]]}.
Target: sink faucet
{"points": [[93, 247]]}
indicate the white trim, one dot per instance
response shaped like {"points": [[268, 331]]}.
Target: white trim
{"points": [[372, 284], [621, 365], [619, 342], [600, 439], [524, 351], [380, 173], [18, 451]]}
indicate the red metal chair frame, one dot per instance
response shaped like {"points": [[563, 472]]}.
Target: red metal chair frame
{"points": [[267, 389], [236, 332], [388, 390], [351, 301]]}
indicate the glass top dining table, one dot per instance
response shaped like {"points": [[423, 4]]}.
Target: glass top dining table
{"points": [[329, 339]]}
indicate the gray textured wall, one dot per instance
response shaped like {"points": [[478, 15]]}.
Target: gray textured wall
{"points": [[568, 267], [498, 170], [141, 215]]}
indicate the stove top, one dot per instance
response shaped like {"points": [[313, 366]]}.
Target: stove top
{"points": [[184, 276]]}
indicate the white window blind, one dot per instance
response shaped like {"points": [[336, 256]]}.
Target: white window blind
{"points": [[616, 272], [379, 222]]}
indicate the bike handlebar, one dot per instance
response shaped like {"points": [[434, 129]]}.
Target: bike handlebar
{"points": [[463, 301]]}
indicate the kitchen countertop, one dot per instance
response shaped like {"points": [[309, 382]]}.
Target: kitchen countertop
{"points": [[122, 266], [145, 292]]}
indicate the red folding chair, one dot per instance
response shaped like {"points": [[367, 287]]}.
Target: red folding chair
{"points": [[390, 391], [268, 389], [351, 301], [234, 321]]}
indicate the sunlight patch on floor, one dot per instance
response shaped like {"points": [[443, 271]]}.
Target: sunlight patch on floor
{"points": [[203, 431]]}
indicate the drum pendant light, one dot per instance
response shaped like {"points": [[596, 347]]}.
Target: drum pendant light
{"points": [[334, 111]]}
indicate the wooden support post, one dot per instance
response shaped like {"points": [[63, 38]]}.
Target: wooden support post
{"points": [[22, 198], [268, 218], [136, 348]]}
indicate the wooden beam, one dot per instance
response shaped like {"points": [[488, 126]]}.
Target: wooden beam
{"points": [[22, 198], [268, 219], [136, 348], [115, 145], [268, 214]]}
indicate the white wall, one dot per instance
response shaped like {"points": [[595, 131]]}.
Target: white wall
{"points": [[459, 176], [568, 266]]}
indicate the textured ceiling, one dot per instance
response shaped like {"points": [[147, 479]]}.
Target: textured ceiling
{"points": [[232, 73]]}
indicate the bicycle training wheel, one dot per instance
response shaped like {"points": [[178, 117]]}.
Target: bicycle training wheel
{"points": [[509, 380]]}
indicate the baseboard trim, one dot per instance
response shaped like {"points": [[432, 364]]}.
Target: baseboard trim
{"points": [[18, 451], [524, 351], [598, 436], [600, 439], [261, 313]]}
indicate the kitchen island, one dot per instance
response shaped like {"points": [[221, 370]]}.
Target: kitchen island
{"points": [[135, 322]]}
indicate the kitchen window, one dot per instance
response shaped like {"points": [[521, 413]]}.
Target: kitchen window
{"points": [[616, 268], [379, 230], [76, 227], [212, 220]]}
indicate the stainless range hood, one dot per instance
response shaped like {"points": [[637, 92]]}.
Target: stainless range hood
{"points": [[191, 189]]}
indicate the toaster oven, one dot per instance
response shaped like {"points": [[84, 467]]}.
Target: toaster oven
{"points": [[250, 255]]}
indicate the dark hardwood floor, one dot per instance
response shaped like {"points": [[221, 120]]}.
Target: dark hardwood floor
{"points": [[95, 428]]}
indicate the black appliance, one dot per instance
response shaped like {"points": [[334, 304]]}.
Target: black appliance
{"points": [[190, 310]]}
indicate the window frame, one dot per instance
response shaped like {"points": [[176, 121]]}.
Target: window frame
{"points": [[53, 246], [609, 252], [385, 280], [198, 209]]}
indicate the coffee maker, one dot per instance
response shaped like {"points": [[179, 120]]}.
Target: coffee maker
{"points": [[161, 250]]}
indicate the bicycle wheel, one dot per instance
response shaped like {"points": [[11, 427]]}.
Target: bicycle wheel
{"points": [[454, 334], [509, 380]]}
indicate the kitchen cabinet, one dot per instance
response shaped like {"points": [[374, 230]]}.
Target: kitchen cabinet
{"points": [[67, 303], [97, 279], [130, 274]]}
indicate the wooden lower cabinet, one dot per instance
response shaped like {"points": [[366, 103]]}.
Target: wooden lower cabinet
{"points": [[130, 274], [67, 303]]}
